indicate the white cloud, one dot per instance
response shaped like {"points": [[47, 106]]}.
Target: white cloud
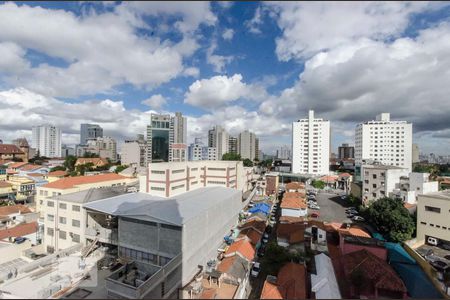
{"points": [[100, 51], [309, 28], [217, 61], [228, 34], [12, 59], [156, 101], [219, 91], [254, 24], [191, 71], [225, 4]]}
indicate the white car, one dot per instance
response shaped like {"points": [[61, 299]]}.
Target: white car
{"points": [[358, 218], [315, 207], [256, 268]]}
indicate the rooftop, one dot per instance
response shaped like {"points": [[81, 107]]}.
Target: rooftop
{"points": [[258, 225], [293, 203], [295, 186], [324, 283], [10, 149], [93, 160], [243, 247], [57, 173], [235, 266], [294, 233], [31, 167], [176, 210], [14, 209], [17, 165], [253, 235], [444, 195], [290, 283], [71, 182], [19, 230], [92, 194]]}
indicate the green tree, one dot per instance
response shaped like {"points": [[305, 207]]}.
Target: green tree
{"points": [[391, 219], [69, 162], [248, 163], [90, 155], [120, 168], [231, 156], [275, 257], [58, 168], [318, 184]]}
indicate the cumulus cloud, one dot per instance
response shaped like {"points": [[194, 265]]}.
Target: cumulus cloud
{"points": [[218, 91], [254, 23], [12, 59], [228, 34], [100, 51], [217, 61], [156, 101], [312, 27]]}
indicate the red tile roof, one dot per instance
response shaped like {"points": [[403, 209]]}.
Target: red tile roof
{"points": [[294, 186], [17, 165], [70, 182], [270, 291], [375, 271], [294, 233], [409, 205], [290, 283], [19, 230], [329, 178], [30, 167], [258, 225], [58, 173], [226, 263], [97, 161], [13, 209], [10, 149], [293, 203], [353, 230], [294, 195], [5, 161], [244, 247], [345, 175], [253, 235], [4, 184]]}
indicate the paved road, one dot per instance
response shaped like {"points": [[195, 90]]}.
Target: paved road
{"points": [[332, 207]]}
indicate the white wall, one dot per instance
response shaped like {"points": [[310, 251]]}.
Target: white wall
{"points": [[289, 212]]}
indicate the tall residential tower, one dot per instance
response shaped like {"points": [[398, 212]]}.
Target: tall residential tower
{"points": [[47, 140]]}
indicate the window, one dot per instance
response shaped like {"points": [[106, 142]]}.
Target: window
{"points": [[178, 171], [433, 209], [62, 235], [155, 188], [194, 169], [50, 204], [62, 220], [158, 172], [177, 187], [50, 218], [75, 207], [50, 231], [216, 169], [374, 176], [366, 181], [374, 195], [62, 205], [423, 223], [194, 182], [216, 182], [75, 238], [374, 185]]}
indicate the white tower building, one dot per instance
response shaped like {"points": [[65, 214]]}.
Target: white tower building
{"points": [[47, 140]]}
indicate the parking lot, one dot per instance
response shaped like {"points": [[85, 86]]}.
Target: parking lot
{"points": [[332, 207], [438, 253]]}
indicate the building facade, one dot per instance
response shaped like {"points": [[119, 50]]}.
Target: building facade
{"points": [[433, 213], [198, 151], [346, 152], [180, 129], [23, 145], [284, 152], [247, 145], [134, 152], [415, 153], [89, 131], [173, 178], [311, 145], [218, 138], [409, 188], [47, 140], [388, 142], [233, 145]]}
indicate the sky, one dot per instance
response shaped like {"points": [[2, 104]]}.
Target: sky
{"points": [[243, 65]]}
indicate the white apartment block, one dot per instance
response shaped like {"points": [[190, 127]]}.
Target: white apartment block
{"points": [[284, 152], [198, 151], [379, 181], [388, 142], [311, 146], [47, 140], [171, 179], [133, 152], [433, 214], [209, 153], [180, 129], [105, 147], [247, 145], [409, 188], [218, 138]]}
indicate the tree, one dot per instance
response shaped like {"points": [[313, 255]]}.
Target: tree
{"points": [[69, 162], [391, 219], [120, 168], [318, 184], [88, 154], [231, 156], [58, 168], [248, 163]]}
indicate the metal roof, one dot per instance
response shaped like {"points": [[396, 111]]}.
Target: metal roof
{"points": [[92, 194], [176, 210]]}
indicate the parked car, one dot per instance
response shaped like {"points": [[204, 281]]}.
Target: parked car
{"points": [[265, 240], [358, 219], [447, 257], [445, 246], [350, 208], [19, 240], [432, 241], [343, 197], [315, 215], [352, 212], [256, 268], [315, 207], [261, 251], [439, 264]]}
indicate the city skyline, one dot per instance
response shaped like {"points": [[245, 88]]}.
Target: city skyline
{"points": [[204, 60]]}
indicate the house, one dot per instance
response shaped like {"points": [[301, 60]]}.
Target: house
{"points": [[257, 225], [95, 161], [263, 208], [243, 248], [16, 166], [323, 283], [26, 230], [235, 269], [331, 181], [293, 206], [344, 181], [31, 168], [56, 175], [10, 151], [22, 186], [291, 235], [250, 234], [5, 189], [369, 276], [295, 187], [289, 284], [353, 243]]}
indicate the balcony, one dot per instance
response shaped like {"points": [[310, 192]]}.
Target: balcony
{"points": [[104, 235]]}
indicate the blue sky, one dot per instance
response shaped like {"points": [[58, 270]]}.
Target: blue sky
{"points": [[243, 65]]}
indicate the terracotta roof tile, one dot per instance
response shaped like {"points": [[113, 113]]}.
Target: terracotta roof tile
{"points": [[4, 184], [10, 149], [294, 233], [353, 230], [13, 209], [289, 219], [17, 165], [294, 195], [244, 247], [97, 161], [294, 186], [70, 182], [208, 294], [329, 178], [294, 203], [58, 173], [226, 263], [30, 167], [253, 235], [271, 291], [292, 277], [19, 230], [345, 175], [256, 224]]}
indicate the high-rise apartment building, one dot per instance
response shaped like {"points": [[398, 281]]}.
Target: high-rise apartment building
{"points": [[134, 152], [218, 138], [47, 140], [166, 138], [89, 131], [232, 145], [247, 145], [257, 149], [198, 151], [345, 151], [415, 153], [284, 152], [385, 141], [311, 145]]}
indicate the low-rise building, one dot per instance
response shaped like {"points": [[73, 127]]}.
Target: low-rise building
{"points": [[10, 151], [168, 179], [293, 205], [289, 284], [6, 190], [23, 187], [56, 175], [433, 215], [95, 161], [413, 185], [323, 283], [272, 183]]}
